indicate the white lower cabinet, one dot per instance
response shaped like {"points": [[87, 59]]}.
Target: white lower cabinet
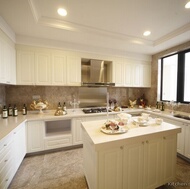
{"points": [[19, 144], [141, 164], [35, 136], [12, 152], [183, 139]]}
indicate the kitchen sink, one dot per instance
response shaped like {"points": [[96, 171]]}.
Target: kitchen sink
{"points": [[182, 116]]}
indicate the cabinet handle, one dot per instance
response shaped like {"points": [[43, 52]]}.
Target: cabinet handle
{"points": [[6, 160], [5, 144], [7, 180]]}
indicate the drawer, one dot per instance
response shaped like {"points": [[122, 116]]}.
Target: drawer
{"points": [[6, 178], [58, 142], [5, 143]]}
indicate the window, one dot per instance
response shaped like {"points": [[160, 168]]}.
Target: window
{"points": [[175, 77], [187, 78]]}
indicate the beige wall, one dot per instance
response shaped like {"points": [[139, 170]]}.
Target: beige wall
{"points": [[153, 91]]}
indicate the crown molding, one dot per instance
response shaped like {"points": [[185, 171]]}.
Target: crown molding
{"points": [[7, 29]]}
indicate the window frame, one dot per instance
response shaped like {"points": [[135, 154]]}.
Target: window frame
{"points": [[180, 76]]}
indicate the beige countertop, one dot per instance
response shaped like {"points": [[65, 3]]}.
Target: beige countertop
{"points": [[134, 133], [9, 124]]}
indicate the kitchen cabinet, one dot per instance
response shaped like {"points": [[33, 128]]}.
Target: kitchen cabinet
{"points": [[12, 152], [183, 139], [19, 144], [43, 68], [143, 162], [73, 71], [25, 67], [47, 67], [127, 74], [7, 168], [7, 60], [77, 130], [59, 69], [35, 136]]}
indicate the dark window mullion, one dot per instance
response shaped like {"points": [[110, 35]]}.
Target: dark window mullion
{"points": [[180, 76]]}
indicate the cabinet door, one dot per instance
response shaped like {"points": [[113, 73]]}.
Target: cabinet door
{"points": [[25, 68], [152, 156], [169, 158], [187, 141], [118, 73], [43, 68], [2, 62], [19, 144], [128, 74], [133, 157], [110, 169], [74, 70], [35, 136], [137, 75], [59, 70], [77, 130], [181, 139], [146, 76]]}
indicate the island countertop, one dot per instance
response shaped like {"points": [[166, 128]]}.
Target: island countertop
{"points": [[134, 133]]}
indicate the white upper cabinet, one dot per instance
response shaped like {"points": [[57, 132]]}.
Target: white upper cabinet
{"points": [[131, 74], [73, 70], [47, 67], [25, 67], [59, 69], [43, 68], [7, 61]]}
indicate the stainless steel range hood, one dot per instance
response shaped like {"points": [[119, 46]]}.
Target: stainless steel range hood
{"points": [[96, 73]]}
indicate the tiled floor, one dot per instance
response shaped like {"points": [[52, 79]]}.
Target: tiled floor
{"points": [[64, 170]]}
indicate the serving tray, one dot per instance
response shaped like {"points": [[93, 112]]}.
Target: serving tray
{"points": [[113, 132]]}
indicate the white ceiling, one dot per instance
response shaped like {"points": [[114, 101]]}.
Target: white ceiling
{"points": [[102, 24]]}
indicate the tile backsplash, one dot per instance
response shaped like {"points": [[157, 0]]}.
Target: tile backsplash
{"points": [[20, 95]]}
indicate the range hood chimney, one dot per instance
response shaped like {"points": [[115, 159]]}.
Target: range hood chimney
{"points": [[96, 73]]}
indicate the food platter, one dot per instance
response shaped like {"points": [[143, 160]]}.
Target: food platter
{"points": [[140, 122], [113, 132], [113, 127]]}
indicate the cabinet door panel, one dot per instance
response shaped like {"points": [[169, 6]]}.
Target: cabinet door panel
{"points": [[35, 136], [169, 158], [25, 68], [153, 156], [74, 70], [42, 71], [59, 70], [110, 169], [133, 166], [187, 141]]}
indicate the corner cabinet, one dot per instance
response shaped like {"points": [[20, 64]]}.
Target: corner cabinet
{"points": [[47, 67], [12, 152], [7, 60], [131, 74]]}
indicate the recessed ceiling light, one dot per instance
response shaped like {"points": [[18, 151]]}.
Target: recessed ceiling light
{"points": [[62, 12], [187, 6], [146, 33]]}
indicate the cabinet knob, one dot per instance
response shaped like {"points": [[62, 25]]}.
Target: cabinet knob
{"points": [[121, 147], [147, 142], [142, 142], [164, 138]]}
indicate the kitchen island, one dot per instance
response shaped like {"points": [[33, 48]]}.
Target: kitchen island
{"points": [[143, 157]]}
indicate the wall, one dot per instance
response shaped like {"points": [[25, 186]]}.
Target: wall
{"points": [[153, 90], [2, 97], [20, 95]]}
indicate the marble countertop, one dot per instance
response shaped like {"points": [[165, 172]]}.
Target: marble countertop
{"points": [[9, 124], [134, 133]]}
